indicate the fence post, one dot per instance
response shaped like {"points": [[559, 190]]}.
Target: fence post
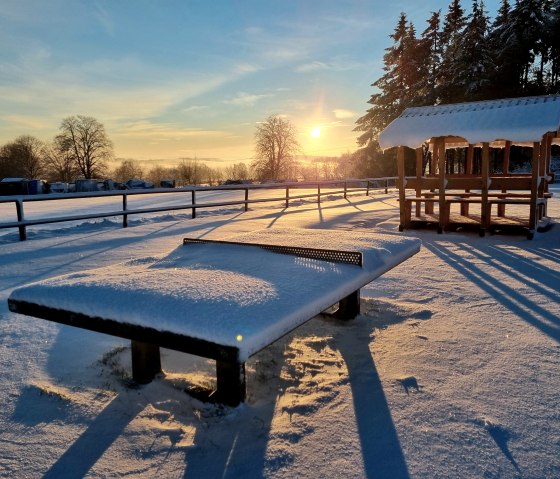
{"points": [[386, 185], [193, 202], [318, 193], [246, 199], [19, 211], [124, 207], [287, 196], [345, 190], [367, 188]]}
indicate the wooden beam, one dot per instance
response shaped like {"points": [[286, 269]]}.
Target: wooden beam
{"points": [[535, 180], [400, 173], [470, 155], [442, 182], [419, 158], [507, 155], [485, 173]]}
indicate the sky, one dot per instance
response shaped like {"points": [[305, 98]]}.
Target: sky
{"points": [[192, 79]]}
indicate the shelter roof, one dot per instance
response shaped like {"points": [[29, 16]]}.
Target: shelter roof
{"points": [[519, 120]]}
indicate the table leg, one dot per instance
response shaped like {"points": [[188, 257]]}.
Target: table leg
{"points": [[146, 362], [230, 388], [348, 307]]}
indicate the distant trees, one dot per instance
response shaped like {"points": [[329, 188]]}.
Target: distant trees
{"points": [[128, 170], [276, 147], [237, 171], [22, 157], [83, 140]]}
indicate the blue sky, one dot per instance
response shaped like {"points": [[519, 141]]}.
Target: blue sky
{"points": [[177, 79]]}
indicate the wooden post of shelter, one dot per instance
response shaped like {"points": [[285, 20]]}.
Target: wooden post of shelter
{"points": [[548, 158], [418, 177], [484, 209], [440, 146], [507, 155], [470, 155], [535, 180], [505, 172], [434, 163], [400, 173]]}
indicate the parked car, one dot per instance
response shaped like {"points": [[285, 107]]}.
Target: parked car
{"points": [[167, 183], [22, 186], [135, 184], [84, 185], [59, 187]]}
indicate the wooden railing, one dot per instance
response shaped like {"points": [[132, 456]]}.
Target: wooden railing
{"points": [[323, 188]]}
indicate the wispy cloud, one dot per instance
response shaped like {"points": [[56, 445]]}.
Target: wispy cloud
{"points": [[195, 108], [343, 114], [147, 129], [338, 64], [246, 99]]}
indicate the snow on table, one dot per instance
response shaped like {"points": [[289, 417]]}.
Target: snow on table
{"points": [[228, 294]]}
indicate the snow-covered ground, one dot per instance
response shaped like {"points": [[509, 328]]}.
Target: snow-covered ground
{"points": [[451, 370]]}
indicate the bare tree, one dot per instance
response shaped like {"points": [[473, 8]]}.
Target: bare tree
{"points": [[276, 147], [84, 139], [59, 165], [237, 171], [23, 157], [128, 170], [158, 173]]}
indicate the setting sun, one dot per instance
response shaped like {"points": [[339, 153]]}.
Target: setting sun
{"points": [[316, 132]]}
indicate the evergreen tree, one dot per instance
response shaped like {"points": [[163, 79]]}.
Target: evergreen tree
{"points": [[396, 87], [455, 20], [503, 82], [552, 35], [522, 41], [429, 53], [472, 63]]}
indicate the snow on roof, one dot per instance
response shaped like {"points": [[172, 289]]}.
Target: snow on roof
{"points": [[520, 120]]}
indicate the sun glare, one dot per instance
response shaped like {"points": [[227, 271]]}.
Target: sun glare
{"points": [[316, 132]]}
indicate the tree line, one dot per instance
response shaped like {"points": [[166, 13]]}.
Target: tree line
{"points": [[82, 149], [463, 57]]}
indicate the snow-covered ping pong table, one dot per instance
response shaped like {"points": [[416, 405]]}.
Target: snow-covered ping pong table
{"points": [[224, 300]]}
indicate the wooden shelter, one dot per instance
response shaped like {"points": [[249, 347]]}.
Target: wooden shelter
{"points": [[472, 190]]}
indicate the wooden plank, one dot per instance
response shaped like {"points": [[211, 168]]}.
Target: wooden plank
{"points": [[420, 184], [507, 183], [465, 183]]}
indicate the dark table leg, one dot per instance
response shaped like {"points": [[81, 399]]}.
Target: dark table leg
{"points": [[348, 307], [146, 362], [231, 383]]}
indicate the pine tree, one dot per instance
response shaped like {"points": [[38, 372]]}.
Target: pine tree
{"points": [[453, 26], [429, 51], [396, 86], [522, 41], [472, 63], [503, 80], [552, 36]]}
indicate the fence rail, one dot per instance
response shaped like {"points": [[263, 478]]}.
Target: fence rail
{"points": [[323, 188]]}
